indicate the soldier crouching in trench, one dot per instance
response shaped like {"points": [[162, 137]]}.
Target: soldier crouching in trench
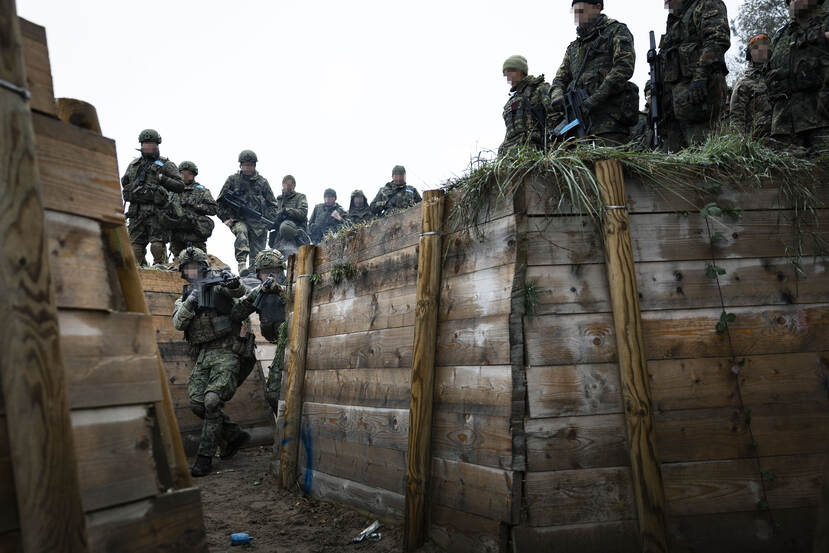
{"points": [[224, 352]]}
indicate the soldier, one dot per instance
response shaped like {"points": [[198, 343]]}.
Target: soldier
{"points": [[797, 78], [395, 194], [692, 60], [328, 216], [640, 134], [527, 113], [148, 185], [750, 105], [358, 210], [600, 61], [291, 219], [271, 309], [223, 350], [197, 203], [252, 191]]}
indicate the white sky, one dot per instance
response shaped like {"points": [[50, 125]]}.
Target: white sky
{"points": [[335, 93]]}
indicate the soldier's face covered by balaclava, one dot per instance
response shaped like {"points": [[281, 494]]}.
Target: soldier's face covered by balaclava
{"points": [[187, 176], [358, 201], [398, 178], [329, 200], [248, 168], [514, 76], [149, 150], [288, 186], [760, 52], [585, 12], [191, 271]]}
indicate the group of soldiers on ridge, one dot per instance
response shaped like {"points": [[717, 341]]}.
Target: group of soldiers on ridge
{"points": [[783, 97]]}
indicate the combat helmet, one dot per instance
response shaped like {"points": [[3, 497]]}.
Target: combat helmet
{"points": [[192, 255], [188, 166], [760, 37], [269, 259], [248, 156], [149, 135]]}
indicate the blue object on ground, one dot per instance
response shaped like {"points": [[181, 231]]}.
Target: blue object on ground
{"points": [[240, 538]]}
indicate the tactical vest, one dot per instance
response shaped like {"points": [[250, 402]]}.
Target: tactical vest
{"points": [[212, 324], [521, 117], [804, 53], [271, 315], [142, 186], [681, 47]]}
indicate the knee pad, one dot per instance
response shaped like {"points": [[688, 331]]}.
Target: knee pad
{"points": [[197, 408], [212, 403]]}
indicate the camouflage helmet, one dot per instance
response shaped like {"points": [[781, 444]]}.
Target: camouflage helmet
{"points": [[248, 156], [149, 135], [188, 166], [192, 255], [755, 41], [398, 169], [269, 259]]}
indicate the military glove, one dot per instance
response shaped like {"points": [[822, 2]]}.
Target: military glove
{"points": [[698, 91], [193, 298], [586, 107]]}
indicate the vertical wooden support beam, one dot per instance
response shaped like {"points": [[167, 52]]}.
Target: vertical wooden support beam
{"points": [[31, 367], [295, 381], [419, 457], [126, 267], [627, 320], [822, 526]]}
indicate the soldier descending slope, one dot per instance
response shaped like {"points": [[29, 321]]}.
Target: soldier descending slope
{"points": [[268, 299], [148, 184], [327, 216], [527, 112], [247, 206], [750, 105], [197, 203], [291, 219], [395, 194], [358, 210], [797, 79], [600, 62], [224, 350], [692, 64]]}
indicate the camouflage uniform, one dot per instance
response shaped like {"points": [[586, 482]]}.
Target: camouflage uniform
{"points": [[215, 338], [601, 61], [148, 185], [692, 59], [527, 114], [251, 234], [750, 105], [322, 222], [359, 215], [640, 134], [195, 227], [292, 209], [797, 80], [393, 196]]}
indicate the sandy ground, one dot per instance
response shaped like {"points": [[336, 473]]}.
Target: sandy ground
{"points": [[240, 496]]}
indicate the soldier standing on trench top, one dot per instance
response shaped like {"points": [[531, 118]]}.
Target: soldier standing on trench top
{"points": [[395, 194]]}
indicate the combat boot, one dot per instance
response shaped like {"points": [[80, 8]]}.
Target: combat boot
{"points": [[234, 445], [202, 467]]}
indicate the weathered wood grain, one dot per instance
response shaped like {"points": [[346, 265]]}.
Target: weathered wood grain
{"points": [[31, 371], [569, 390], [386, 428], [374, 349], [461, 532], [477, 439], [38, 67], [385, 388], [8, 514], [598, 537], [566, 443], [474, 342], [382, 503], [482, 491], [474, 390]]}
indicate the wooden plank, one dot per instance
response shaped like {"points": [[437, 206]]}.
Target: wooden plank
{"points": [[110, 358], [482, 491], [474, 342], [576, 443], [363, 425], [461, 532], [153, 280], [8, 512], [589, 338], [821, 541], [169, 522], [734, 485], [570, 390], [78, 170], [682, 285], [31, 372], [115, 461], [161, 303], [598, 537], [76, 251], [38, 67], [570, 497], [474, 390], [389, 309], [164, 330], [379, 502], [574, 240], [477, 439], [375, 349], [384, 388]]}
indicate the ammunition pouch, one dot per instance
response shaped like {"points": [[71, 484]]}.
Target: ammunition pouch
{"points": [[245, 348]]}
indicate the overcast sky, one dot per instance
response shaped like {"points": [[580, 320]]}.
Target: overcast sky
{"points": [[335, 93]]}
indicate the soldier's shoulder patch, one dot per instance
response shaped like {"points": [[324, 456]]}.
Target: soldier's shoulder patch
{"points": [[160, 163], [199, 186]]}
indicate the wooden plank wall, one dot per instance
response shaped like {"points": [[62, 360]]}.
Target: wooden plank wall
{"points": [[248, 406], [578, 480], [109, 355]]}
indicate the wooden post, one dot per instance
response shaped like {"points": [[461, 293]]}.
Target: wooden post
{"points": [[126, 268], [31, 368], [78, 113], [419, 457], [295, 381], [822, 526], [627, 321]]}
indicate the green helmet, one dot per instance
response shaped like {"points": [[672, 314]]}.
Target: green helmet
{"points": [[149, 135], [269, 259], [188, 166], [192, 255], [248, 156], [398, 169]]}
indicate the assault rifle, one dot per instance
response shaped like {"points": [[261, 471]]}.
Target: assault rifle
{"points": [[655, 112], [231, 200], [574, 121], [267, 287], [204, 287]]}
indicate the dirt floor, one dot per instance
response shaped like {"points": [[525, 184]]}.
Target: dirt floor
{"points": [[241, 496]]}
